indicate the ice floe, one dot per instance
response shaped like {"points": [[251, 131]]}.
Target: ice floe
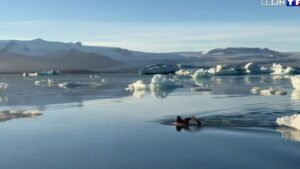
{"points": [[268, 92], [160, 69], [278, 69], [185, 72], [296, 82], [159, 81], [201, 73], [249, 68], [138, 85], [292, 121], [13, 114], [71, 85], [252, 68], [44, 73]]}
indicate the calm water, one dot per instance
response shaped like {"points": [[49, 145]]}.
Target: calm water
{"points": [[109, 127]]}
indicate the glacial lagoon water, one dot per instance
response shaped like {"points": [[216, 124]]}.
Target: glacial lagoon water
{"points": [[105, 126]]}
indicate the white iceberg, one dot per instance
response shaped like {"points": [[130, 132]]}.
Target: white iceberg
{"points": [[273, 91], [278, 69], [296, 82], [201, 73], [3, 86], [223, 70], [184, 72], [292, 121], [252, 68], [138, 85], [163, 82]]}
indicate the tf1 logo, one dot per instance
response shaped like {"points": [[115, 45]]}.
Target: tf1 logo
{"points": [[293, 3]]}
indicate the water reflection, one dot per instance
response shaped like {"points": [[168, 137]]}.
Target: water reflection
{"points": [[188, 128], [289, 133], [295, 96], [160, 94], [3, 99], [16, 114]]}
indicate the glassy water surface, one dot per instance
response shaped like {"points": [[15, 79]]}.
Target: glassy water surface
{"points": [[99, 124]]}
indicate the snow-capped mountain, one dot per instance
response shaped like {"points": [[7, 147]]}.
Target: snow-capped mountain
{"points": [[40, 55]]}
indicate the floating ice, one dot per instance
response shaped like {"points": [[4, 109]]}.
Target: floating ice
{"points": [[224, 70], [70, 85], [296, 82], [3, 86], [45, 73], [290, 121], [13, 114], [184, 72], [201, 73], [278, 69], [138, 85], [269, 92], [252, 68], [159, 69], [163, 82]]}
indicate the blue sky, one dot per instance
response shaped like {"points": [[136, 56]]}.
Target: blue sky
{"points": [[153, 25]]}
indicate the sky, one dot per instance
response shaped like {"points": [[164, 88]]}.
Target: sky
{"points": [[153, 25]]}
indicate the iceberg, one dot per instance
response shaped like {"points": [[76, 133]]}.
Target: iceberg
{"points": [[278, 69], [138, 85], [222, 70], [163, 82], [292, 121], [201, 73], [252, 68], [296, 82], [45, 73], [184, 72], [159, 69], [272, 91]]}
